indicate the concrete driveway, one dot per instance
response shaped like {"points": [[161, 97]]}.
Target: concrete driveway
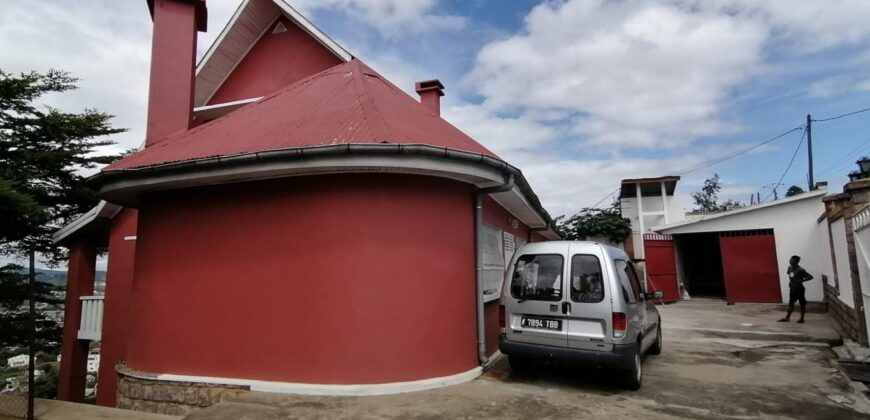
{"points": [[719, 362]]}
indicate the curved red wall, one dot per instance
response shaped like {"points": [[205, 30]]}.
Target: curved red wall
{"points": [[344, 279]]}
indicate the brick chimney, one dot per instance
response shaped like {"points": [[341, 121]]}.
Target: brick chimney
{"points": [[430, 92], [173, 52]]}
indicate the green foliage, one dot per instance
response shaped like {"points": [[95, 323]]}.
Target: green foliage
{"points": [[45, 386], [14, 324], [707, 200], [590, 222], [43, 153], [794, 190]]}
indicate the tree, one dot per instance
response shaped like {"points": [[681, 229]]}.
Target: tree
{"points": [[707, 200], [43, 153], [45, 386], [794, 190], [592, 222]]}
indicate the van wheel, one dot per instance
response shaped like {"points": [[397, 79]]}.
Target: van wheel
{"points": [[633, 376], [656, 348], [519, 364]]}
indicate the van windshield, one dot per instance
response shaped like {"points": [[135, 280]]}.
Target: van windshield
{"points": [[537, 277]]}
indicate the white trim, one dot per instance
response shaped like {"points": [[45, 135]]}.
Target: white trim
{"points": [[210, 112], [241, 58], [312, 30], [130, 238], [103, 210], [220, 39], [333, 390], [804, 196], [226, 104]]}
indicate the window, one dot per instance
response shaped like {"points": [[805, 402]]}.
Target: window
{"points": [[622, 271], [537, 277], [587, 285], [635, 280]]}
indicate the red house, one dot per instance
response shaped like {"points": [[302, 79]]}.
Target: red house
{"points": [[294, 223]]}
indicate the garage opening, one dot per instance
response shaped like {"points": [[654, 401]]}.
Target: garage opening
{"points": [[701, 259]]}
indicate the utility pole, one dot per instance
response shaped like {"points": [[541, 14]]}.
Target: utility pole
{"points": [[31, 339], [810, 151]]}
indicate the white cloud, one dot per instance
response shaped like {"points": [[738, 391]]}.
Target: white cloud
{"points": [[391, 18], [509, 137], [634, 73]]}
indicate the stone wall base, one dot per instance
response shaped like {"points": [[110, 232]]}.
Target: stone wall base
{"points": [[845, 318], [142, 391]]}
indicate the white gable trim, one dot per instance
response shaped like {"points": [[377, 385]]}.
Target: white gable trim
{"points": [[283, 8]]}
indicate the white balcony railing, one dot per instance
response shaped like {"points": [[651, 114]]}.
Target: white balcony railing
{"points": [[91, 326]]}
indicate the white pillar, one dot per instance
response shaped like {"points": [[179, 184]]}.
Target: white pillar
{"points": [[639, 252], [665, 201]]}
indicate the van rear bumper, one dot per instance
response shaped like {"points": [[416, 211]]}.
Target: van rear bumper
{"points": [[621, 357]]}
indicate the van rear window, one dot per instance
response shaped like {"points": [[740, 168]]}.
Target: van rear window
{"points": [[537, 277], [587, 285]]}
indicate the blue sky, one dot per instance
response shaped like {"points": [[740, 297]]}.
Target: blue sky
{"points": [[579, 94]]}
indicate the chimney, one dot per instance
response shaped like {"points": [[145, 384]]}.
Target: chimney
{"points": [[430, 92], [173, 52]]}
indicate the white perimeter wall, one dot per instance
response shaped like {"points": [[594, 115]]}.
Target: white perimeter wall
{"points": [[841, 255], [796, 232]]}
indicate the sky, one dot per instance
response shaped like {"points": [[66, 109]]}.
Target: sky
{"points": [[578, 94]]}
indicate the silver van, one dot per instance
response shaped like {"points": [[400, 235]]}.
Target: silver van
{"points": [[578, 302]]}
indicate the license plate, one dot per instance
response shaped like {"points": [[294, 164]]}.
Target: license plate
{"points": [[541, 323]]}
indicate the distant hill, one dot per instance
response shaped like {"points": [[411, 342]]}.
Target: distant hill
{"points": [[58, 277]]}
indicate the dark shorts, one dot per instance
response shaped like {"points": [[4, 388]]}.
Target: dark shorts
{"points": [[797, 295]]}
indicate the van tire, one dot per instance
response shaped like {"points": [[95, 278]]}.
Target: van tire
{"points": [[519, 364], [633, 376], [656, 348]]}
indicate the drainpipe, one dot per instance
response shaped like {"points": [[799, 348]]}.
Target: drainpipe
{"points": [[478, 259]]}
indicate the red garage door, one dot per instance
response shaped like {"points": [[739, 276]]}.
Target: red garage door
{"points": [[661, 265], [749, 266]]}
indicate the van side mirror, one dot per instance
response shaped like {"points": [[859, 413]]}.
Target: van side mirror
{"points": [[654, 295]]}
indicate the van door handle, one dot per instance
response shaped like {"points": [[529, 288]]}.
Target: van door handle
{"points": [[566, 308]]}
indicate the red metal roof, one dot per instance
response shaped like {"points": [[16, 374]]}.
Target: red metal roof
{"points": [[346, 104]]}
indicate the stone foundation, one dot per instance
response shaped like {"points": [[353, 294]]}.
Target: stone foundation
{"points": [[142, 391], [845, 318]]}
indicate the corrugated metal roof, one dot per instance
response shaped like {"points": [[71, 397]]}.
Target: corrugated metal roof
{"points": [[346, 104]]}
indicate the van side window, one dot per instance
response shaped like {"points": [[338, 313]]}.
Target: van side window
{"points": [[628, 292], [636, 284], [538, 277], [587, 284]]}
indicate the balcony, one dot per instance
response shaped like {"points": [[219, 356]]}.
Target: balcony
{"points": [[91, 326]]}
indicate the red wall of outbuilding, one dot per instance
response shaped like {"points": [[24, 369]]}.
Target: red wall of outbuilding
{"points": [[340, 279], [496, 216], [116, 314], [275, 61]]}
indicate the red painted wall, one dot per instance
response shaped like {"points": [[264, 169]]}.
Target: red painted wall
{"points": [[74, 352], [495, 215], [275, 61], [116, 313], [749, 267], [338, 279]]}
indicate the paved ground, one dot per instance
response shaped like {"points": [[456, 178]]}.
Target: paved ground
{"points": [[720, 362]]}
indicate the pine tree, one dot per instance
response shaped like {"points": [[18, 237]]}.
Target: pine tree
{"points": [[44, 153]]}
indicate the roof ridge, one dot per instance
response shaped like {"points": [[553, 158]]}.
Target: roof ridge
{"points": [[370, 111]]}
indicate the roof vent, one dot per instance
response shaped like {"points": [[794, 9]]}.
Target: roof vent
{"points": [[279, 28], [430, 92]]}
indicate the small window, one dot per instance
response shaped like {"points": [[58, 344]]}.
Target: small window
{"points": [[537, 277], [622, 271], [587, 285]]}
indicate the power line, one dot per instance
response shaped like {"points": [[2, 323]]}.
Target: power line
{"points": [[790, 162], [606, 197], [849, 155], [842, 115], [740, 152]]}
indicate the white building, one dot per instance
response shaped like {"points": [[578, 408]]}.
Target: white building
{"points": [[93, 362], [647, 203], [18, 361], [742, 255]]}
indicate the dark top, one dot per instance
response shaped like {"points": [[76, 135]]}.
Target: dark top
{"points": [[797, 276]]}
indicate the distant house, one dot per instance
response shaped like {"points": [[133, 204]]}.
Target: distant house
{"points": [[17, 361]]}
